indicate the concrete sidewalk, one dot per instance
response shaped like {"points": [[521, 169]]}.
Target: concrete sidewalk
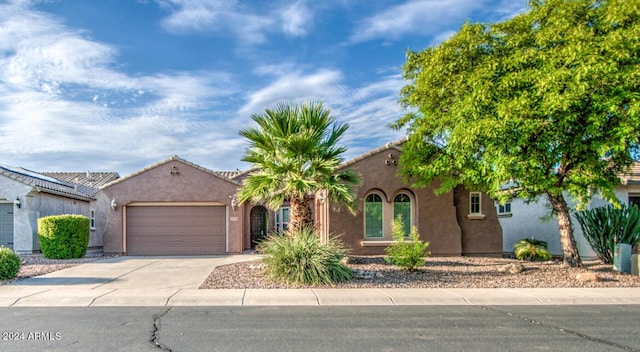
{"points": [[171, 281]]}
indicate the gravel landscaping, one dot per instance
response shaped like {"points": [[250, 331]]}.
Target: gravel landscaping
{"points": [[443, 272], [439, 272]]}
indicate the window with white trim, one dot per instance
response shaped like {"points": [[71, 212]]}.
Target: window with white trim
{"points": [[373, 216], [402, 207], [92, 218], [475, 203], [504, 209], [282, 219]]}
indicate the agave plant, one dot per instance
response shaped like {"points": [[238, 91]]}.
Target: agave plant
{"points": [[605, 227], [532, 249]]}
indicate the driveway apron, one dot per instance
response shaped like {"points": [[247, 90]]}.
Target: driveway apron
{"points": [[145, 273]]}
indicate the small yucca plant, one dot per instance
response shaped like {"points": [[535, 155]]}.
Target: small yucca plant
{"points": [[298, 257], [532, 249]]}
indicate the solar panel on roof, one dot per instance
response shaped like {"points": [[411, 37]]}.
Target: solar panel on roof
{"points": [[25, 172]]}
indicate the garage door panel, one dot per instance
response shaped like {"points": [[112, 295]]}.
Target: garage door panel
{"points": [[176, 230]]}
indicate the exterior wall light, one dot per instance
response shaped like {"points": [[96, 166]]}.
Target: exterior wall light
{"points": [[114, 205], [17, 203]]}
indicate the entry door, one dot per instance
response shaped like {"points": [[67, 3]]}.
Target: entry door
{"points": [[6, 225], [258, 225]]}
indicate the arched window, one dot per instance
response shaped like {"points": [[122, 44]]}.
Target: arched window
{"points": [[402, 207], [373, 216]]}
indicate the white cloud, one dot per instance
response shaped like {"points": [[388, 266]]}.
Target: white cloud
{"points": [[216, 16], [296, 18], [294, 86], [418, 16], [64, 102], [251, 24]]}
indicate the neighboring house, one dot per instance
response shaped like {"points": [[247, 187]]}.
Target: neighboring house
{"points": [[175, 207], [520, 219], [26, 196]]}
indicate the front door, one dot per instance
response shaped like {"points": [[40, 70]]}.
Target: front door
{"points": [[6, 225], [259, 223]]}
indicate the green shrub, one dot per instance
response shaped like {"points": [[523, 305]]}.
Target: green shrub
{"points": [[605, 227], [299, 258], [63, 236], [531, 249], [408, 253], [9, 263]]}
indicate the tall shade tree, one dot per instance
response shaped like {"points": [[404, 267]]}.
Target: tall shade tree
{"points": [[540, 105], [294, 151]]}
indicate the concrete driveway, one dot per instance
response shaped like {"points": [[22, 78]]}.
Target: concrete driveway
{"points": [[117, 281], [150, 273]]}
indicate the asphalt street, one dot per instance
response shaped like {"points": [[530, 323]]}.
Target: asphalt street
{"points": [[322, 328]]}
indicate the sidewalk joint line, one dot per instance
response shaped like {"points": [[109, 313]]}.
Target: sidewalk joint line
{"points": [[516, 290], [388, 295], [102, 295], [459, 295], [244, 294], [33, 294], [170, 297], [317, 298]]}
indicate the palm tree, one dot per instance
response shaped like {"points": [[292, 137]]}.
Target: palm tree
{"points": [[294, 154]]}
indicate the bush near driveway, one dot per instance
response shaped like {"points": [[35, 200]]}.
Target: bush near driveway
{"points": [[63, 236], [299, 258], [9, 263]]}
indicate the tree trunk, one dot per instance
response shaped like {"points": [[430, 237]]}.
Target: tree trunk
{"points": [[569, 248], [301, 214]]}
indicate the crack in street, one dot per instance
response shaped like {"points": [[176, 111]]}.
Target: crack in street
{"points": [[155, 336]]}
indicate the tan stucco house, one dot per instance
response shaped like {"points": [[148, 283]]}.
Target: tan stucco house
{"points": [[175, 207]]}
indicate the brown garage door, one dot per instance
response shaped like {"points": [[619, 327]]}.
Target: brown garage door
{"points": [[176, 230]]}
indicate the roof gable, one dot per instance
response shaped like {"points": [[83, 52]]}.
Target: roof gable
{"points": [[163, 162], [397, 145]]}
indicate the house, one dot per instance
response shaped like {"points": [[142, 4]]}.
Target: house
{"points": [[520, 219], [26, 195], [460, 222], [175, 207]]}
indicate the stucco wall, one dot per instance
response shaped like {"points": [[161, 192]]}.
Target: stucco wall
{"points": [[480, 235], [158, 184], [533, 220], [434, 216], [22, 227]]}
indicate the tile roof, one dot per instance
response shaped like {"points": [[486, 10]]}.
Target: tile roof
{"points": [[48, 184], [393, 145], [172, 158], [89, 179], [632, 176], [229, 174]]}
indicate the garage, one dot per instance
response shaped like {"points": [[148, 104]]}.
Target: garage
{"points": [[175, 230]]}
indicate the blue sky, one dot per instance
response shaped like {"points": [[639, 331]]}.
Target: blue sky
{"points": [[117, 85]]}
